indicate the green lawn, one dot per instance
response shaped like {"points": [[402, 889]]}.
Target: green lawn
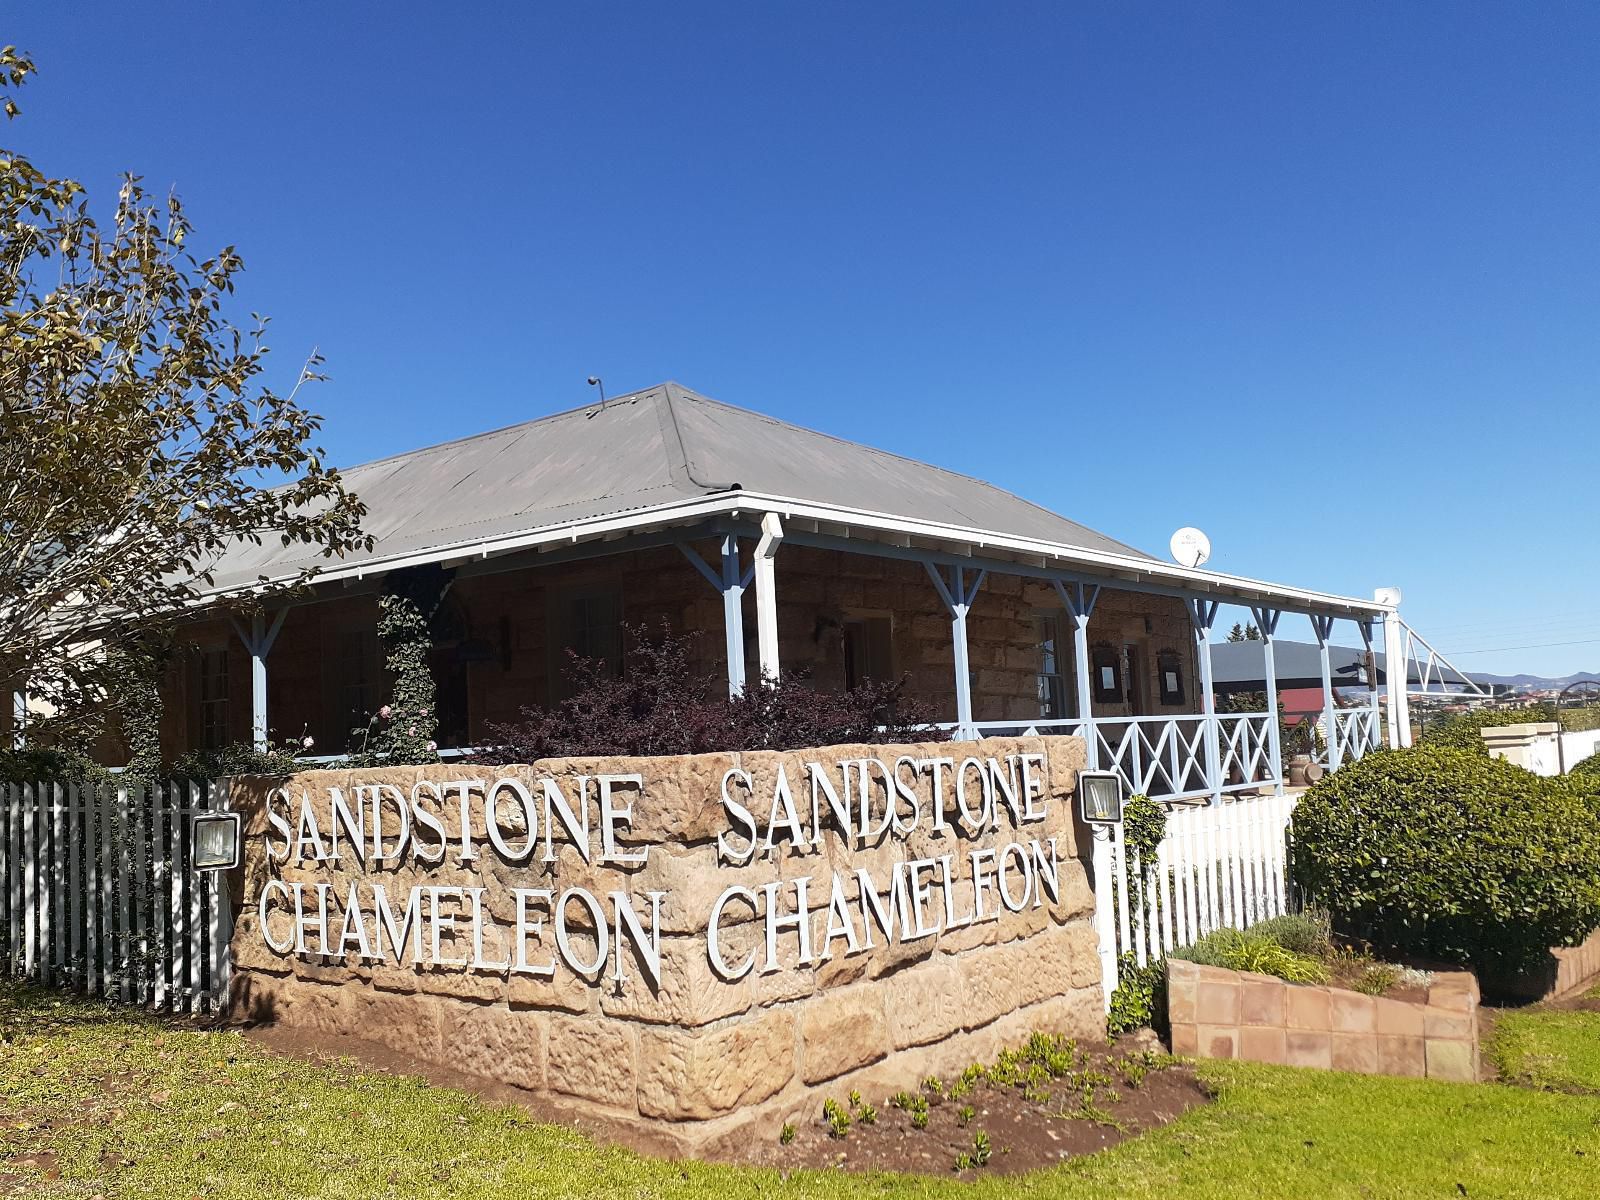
{"points": [[133, 1109], [1549, 1049]]}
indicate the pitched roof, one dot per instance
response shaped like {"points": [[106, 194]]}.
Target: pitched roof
{"points": [[648, 448]]}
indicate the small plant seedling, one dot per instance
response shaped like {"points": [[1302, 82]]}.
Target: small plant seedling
{"points": [[786, 1134], [837, 1117], [933, 1086], [919, 1119], [965, 1113], [855, 1099], [980, 1149], [868, 1115]]}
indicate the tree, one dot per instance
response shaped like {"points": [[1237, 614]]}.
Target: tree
{"points": [[137, 438], [1244, 633]]}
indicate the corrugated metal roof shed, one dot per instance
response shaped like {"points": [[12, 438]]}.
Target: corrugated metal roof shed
{"points": [[637, 451]]}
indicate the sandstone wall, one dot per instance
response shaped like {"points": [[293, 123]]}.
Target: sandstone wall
{"points": [[700, 1060], [1218, 1013]]}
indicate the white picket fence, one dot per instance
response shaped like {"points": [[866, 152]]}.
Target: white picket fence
{"points": [[1219, 866], [97, 893]]}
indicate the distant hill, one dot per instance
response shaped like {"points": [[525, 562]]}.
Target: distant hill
{"points": [[1534, 681]]}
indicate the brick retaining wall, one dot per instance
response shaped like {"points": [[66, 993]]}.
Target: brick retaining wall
{"points": [[1217, 1013]]}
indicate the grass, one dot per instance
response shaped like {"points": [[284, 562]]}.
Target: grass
{"points": [[132, 1108], [1551, 1049]]}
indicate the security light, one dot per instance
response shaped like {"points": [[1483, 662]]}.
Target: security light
{"points": [[216, 841], [1100, 796]]}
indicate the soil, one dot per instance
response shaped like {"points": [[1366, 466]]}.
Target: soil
{"points": [[1346, 974], [1025, 1132], [1027, 1127]]}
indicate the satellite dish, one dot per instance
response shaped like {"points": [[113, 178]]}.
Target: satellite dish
{"points": [[1190, 547]]}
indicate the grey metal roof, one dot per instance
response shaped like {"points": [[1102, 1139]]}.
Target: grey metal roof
{"points": [[637, 451], [1241, 666]]}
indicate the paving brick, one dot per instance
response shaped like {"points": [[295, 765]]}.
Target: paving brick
{"points": [[1456, 1061], [1400, 1018]]}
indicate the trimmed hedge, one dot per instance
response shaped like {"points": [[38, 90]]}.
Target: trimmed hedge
{"points": [[1461, 729], [1446, 853]]}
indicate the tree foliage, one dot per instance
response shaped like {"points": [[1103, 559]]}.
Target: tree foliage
{"points": [[138, 438]]}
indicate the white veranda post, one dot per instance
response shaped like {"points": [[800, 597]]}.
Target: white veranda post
{"points": [[1267, 622], [1079, 600], [1203, 615], [958, 596], [731, 580], [767, 594], [258, 641], [1396, 670], [1322, 626]]}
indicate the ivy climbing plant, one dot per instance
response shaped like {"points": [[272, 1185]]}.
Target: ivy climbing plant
{"points": [[405, 729]]}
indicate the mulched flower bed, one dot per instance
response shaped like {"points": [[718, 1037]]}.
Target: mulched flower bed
{"points": [[1048, 1101]]}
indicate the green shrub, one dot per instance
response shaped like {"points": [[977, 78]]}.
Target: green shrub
{"points": [[1257, 951], [1589, 768], [1309, 933], [49, 766], [1446, 853], [239, 758], [1461, 729], [1140, 998]]}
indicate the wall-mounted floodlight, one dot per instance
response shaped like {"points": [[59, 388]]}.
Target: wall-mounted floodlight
{"points": [[216, 841], [1100, 797]]}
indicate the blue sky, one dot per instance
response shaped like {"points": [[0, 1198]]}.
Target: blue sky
{"points": [[1325, 284]]}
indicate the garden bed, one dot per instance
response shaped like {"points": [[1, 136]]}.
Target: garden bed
{"points": [[1046, 1102]]}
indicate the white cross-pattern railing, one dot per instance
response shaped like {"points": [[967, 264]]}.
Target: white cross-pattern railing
{"points": [[1355, 731], [98, 893], [1218, 866], [1157, 756], [1246, 750]]}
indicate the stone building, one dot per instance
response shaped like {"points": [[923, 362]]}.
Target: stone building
{"points": [[786, 549]]}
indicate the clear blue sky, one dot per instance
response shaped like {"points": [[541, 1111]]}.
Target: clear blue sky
{"points": [[1326, 284]]}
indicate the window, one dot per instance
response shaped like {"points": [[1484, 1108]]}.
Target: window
{"points": [[1106, 668], [868, 650], [1169, 676], [589, 624], [1052, 677], [213, 699]]}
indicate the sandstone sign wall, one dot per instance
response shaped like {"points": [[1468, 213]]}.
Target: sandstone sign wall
{"points": [[704, 944]]}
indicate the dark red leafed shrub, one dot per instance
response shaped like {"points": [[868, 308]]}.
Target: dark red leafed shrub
{"points": [[661, 704]]}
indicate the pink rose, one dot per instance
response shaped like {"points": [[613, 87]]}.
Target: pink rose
{"points": [[411, 731], [433, 745], [307, 742], [385, 712]]}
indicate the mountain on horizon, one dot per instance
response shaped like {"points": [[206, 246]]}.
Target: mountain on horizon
{"points": [[1535, 681]]}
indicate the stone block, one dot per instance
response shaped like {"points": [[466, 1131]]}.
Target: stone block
{"points": [[495, 1042], [841, 1031], [1351, 1012], [1183, 990], [1217, 1002], [1309, 1009], [1186, 1039], [592, 1059], [696, 1076], [1455, 990], [1454, 1061], [1262, 1002], [690, 992], [1402, 1055], [1264, 1044], [1218, 1041], [1356, 1052], [1447, 1024], [925, 1003], [1399, 1018], [1308, 1048]]}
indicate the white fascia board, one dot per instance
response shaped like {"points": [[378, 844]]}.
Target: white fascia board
{"points": [[1092, 562]]}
